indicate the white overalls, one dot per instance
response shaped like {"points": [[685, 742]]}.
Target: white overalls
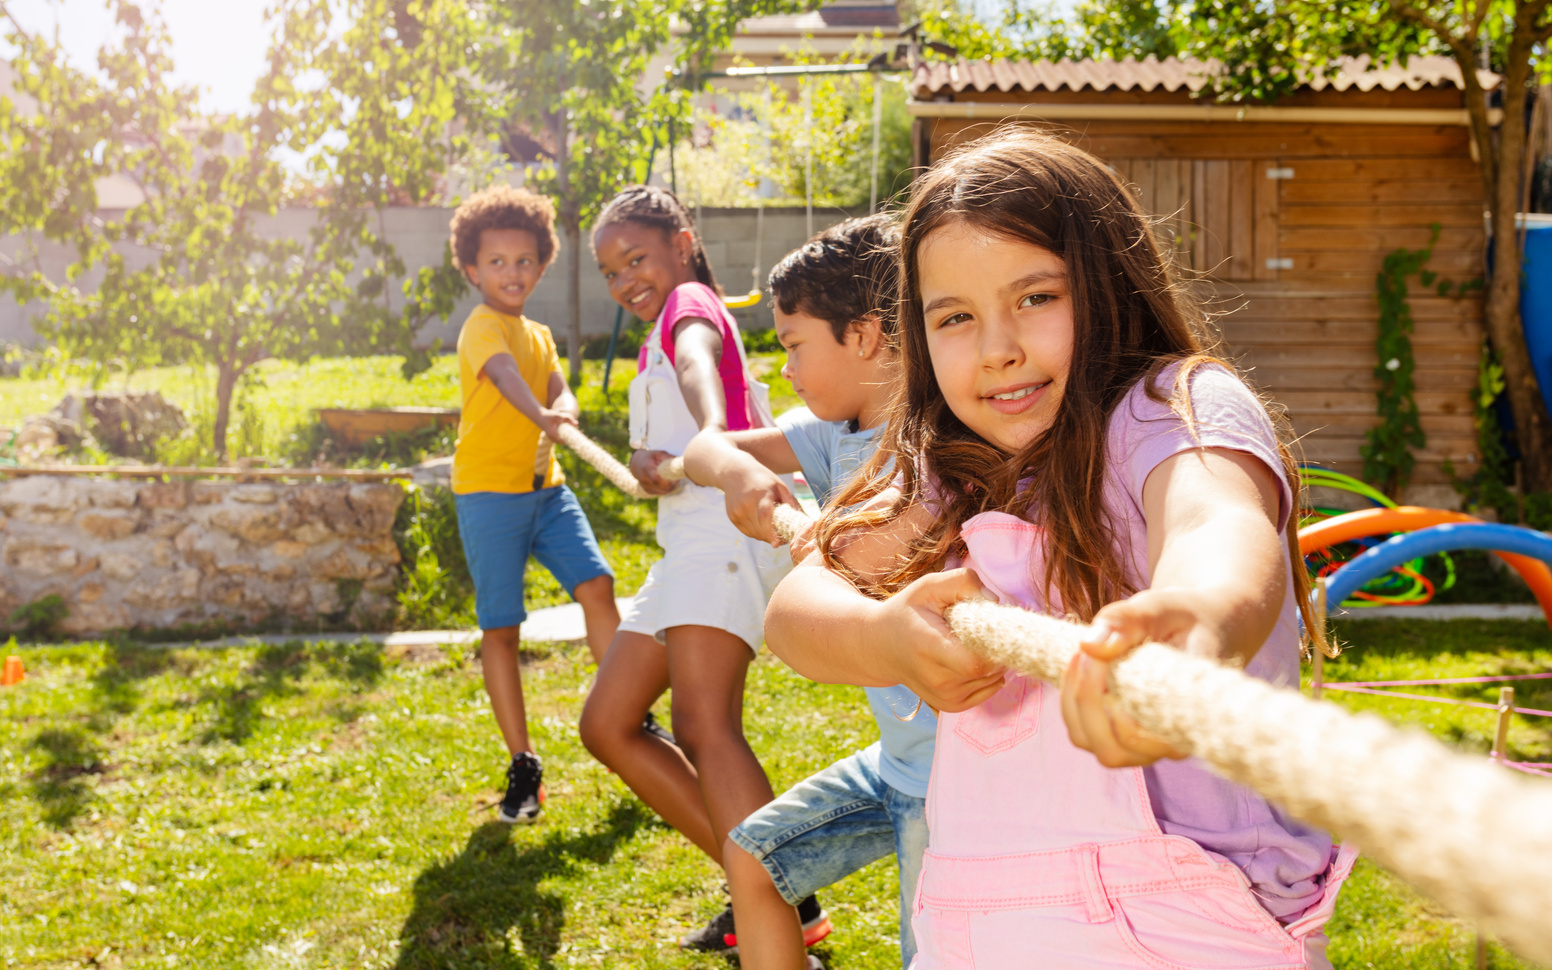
{"points": [[711, 574]]}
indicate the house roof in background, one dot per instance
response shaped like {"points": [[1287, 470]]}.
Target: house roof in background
{"points": [[943, 77]]}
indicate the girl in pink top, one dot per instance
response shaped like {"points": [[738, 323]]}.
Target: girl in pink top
{"points": [[1064, 442], [695, 624]]}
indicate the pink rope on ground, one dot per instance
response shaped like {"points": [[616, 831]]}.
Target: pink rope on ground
{"points": [[1529, 767], [1446, 680], [1348, 686]]}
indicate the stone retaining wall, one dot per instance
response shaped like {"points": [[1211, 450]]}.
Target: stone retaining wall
{"points": [[156, 555]]}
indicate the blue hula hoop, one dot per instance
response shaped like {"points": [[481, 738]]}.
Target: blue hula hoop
{"points": [[1381, 559]]}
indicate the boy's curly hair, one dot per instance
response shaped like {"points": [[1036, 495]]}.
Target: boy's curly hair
{"points": [[502, 207]]}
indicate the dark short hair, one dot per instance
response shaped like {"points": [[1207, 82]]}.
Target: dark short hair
{"points": [[502, 207], [843, 274]]}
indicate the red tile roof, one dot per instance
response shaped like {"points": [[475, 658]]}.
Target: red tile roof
{"points": [[1170, 74]]}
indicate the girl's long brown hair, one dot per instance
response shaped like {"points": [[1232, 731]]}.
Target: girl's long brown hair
{"points": [[1132, 320]]}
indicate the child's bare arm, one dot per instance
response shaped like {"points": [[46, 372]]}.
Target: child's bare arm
{"points": [[502, 371], [560, 397], [828, 631], [745, 466], [1219, 578], [697, 351]]}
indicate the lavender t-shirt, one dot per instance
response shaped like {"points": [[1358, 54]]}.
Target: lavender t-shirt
{"points": [[1283, 859]]}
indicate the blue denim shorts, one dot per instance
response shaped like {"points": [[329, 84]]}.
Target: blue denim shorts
{"points": [[500, 530], [831, 824]]}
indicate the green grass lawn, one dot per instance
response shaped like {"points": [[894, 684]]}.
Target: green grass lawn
{"points": [[333, 807]]}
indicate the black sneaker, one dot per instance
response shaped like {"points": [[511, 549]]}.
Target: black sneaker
{"points": [[719, 936], [650, 725], [714, 937], [525, 790]]}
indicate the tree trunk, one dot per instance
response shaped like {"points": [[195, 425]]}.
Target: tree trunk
{"points": [[571, 224], [574, 301], [1533, 425], [226, 383]]}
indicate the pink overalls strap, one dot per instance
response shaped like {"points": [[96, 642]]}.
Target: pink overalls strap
{"points": [[1040, 857]]}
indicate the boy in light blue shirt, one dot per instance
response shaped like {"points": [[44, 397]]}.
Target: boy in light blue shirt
{"points": [[834, 301]]}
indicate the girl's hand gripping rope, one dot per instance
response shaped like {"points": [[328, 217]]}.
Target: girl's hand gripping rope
{"points": [[646, 466], [915, 638], [1093, 721]]}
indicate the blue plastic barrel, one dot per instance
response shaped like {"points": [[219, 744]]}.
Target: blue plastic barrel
{"points": [[1536, 303]]}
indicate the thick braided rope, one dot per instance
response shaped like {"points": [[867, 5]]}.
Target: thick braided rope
{"points": [[1475, 837], [609, 467]]}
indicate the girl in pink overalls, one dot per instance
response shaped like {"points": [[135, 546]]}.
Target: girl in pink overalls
{"points": [[1063, 442]]}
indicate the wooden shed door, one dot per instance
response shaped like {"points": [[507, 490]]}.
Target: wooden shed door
{"points": [[1219, 214]]}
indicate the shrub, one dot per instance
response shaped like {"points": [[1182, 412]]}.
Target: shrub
{"points": [[435, 589], [40, 619]]}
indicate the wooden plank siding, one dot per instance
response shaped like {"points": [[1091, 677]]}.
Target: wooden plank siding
{"points": [[1287, 265]]}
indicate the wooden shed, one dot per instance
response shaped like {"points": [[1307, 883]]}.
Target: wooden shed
{"points": [[1287, 211]]}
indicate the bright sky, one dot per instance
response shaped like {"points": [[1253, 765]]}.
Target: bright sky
{"points": [[218, 45]]}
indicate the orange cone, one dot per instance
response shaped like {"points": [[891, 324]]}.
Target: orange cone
{"points": [[14, 674]]}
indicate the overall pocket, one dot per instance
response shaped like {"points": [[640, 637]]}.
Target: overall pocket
{"points": [[1007, 719]]}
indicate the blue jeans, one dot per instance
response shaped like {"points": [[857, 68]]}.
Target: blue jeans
{"points": [[831, 824]]}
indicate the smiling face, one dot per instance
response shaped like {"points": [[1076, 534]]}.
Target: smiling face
{"points": [[999, 330], [507, 269], [642, 264]]}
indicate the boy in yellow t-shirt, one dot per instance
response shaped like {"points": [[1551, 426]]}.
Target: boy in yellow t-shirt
{"points": [[507, 485]]}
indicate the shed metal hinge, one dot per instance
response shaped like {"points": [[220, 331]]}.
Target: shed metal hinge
{"points": [[1279, 173], [1280, 262]]}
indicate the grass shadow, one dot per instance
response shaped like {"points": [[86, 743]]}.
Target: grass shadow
{"points": [[1514, 640], [276, 671], [115, 684], [468, 908], [60, 787], [361, 662]]}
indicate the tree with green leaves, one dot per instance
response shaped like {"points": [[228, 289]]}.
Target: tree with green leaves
{"points": [[776, 134], [576, 70], [198, 272], [1269, 47]]}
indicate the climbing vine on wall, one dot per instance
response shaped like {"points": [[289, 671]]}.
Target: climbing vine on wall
{"points": [[1487, 487], [1387, 454]]}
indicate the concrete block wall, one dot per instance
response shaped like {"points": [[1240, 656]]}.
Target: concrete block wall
{"points": [[733, 244]]}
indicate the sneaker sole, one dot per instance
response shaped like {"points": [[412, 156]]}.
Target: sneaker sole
{"points": [[814, 931]]}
